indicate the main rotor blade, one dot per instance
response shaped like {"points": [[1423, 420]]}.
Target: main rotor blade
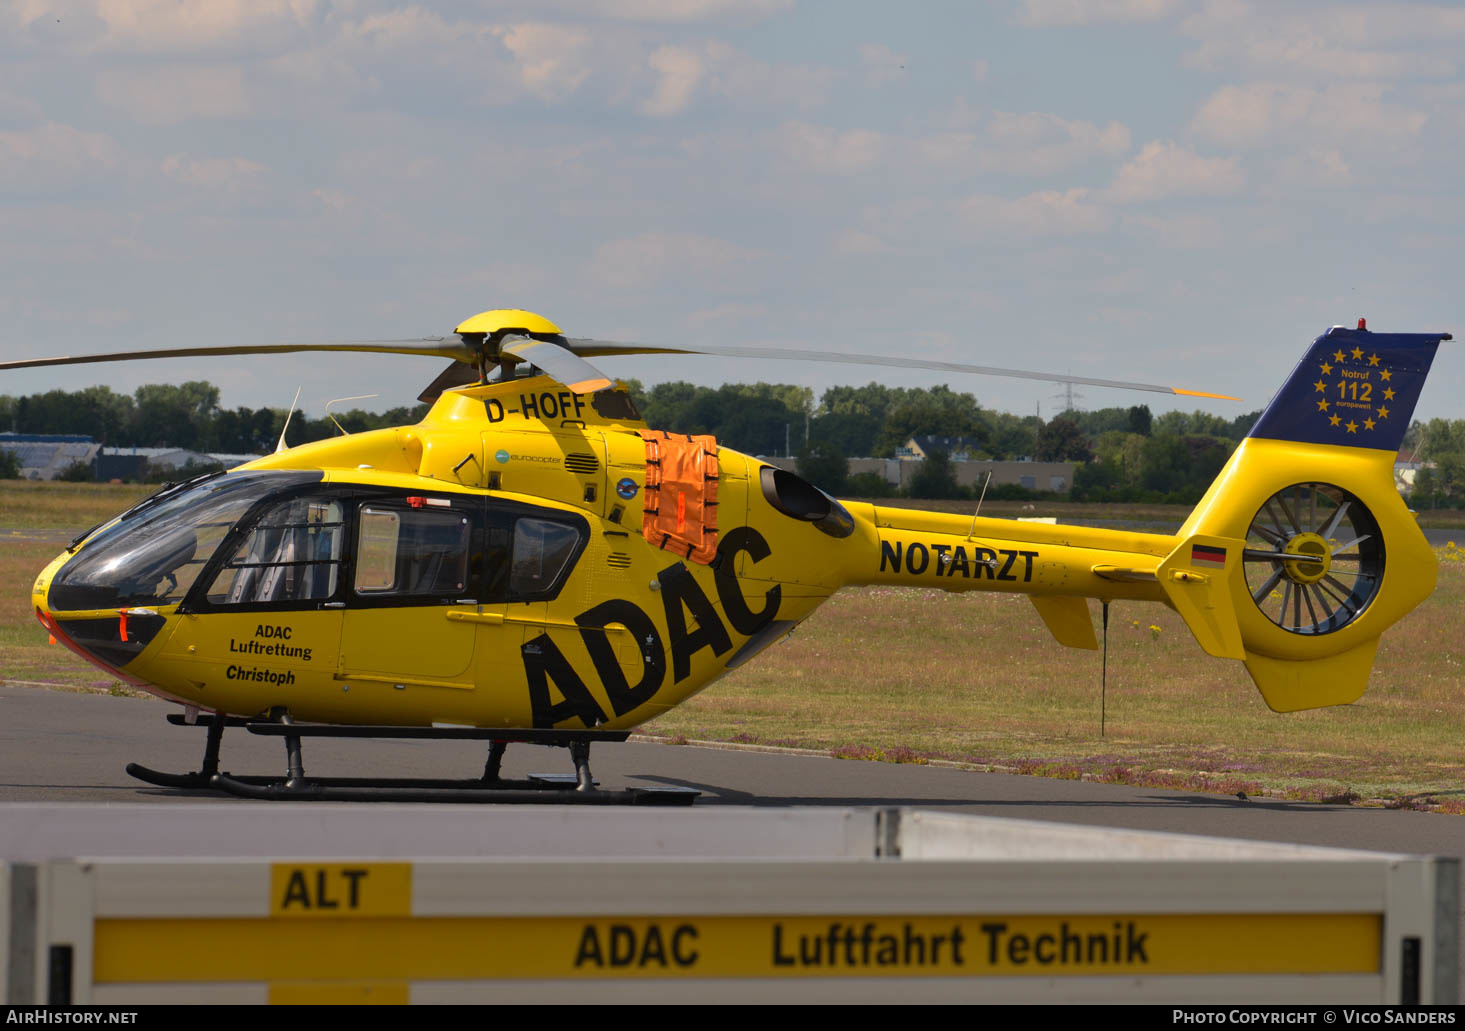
{"points": [[560, 362], [596, 348], [442, 347]]}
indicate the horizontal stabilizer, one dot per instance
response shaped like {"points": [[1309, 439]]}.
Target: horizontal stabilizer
{"points": [[1068, 617]]}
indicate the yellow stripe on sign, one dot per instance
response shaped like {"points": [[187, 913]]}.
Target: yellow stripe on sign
{"points": [[466, 948], [314, 890]]}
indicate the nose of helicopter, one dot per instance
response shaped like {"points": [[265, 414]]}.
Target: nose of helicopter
{"points": [[108, 639], [39, 600], [41, 604]]}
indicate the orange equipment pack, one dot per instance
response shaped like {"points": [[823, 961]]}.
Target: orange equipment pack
{"points": [[680, 507]]}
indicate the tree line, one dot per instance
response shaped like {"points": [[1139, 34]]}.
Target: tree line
{"points": [[1439, 445], [182, 416], [1126, 453]]}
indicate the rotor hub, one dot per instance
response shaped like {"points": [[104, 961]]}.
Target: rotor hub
{"points": [[1315, 558]]}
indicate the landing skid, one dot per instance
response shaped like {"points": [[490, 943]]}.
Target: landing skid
{"points": [[579, 788]]}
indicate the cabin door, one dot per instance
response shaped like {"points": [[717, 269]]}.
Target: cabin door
{"points": [[419, 559]]}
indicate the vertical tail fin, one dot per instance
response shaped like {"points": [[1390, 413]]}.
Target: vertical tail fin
{"points": [[1353, 388]]}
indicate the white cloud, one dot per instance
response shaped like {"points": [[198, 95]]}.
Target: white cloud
{"points": [[1314, 54], [229, 174], [824, 149], [160, 26], [948, 149], [333, 202], [1026, 144], [1040, 144], [175, 93], [858, 243], [1046, 213], [666, 259], [54, 156], [551, 59], [679, 72], [681, 10], [405, 58], [882, 65], [16, 106], [744, 79], [1091, 12], [1263, 113], [1168, 170], [1318, 166], [1332, 41], [717, 69], [69, 236], [1179, 231], [403, 28], [727, 314]]}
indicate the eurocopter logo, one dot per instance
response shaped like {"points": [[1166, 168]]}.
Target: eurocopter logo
{"points": [[1358, 399]]}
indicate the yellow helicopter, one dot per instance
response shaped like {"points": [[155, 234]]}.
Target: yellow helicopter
{"points": [[532, 563]]}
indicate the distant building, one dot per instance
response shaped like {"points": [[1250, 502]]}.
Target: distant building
{"points": [[958, 449], [1406, 467], [130, 463], [972, 471], [45, 456]]}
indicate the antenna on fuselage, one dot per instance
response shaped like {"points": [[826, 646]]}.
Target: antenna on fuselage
{"points": [[973, 531], [281, 445], [357, 397]]}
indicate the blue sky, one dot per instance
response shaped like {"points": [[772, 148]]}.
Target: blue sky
{"points": [[1156, 190]]}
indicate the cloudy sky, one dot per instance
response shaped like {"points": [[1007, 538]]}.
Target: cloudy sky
{"points": [[1159, 190]]}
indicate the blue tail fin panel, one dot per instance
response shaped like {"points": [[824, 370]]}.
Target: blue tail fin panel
{"points": [[1353, 387]]}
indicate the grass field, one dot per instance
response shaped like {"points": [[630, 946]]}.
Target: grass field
{"points": [[913, 675]]}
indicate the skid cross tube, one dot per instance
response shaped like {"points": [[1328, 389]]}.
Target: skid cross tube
{"points": [[490, 787]]}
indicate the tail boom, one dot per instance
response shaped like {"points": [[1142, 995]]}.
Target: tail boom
{"points": [[958, 553]]}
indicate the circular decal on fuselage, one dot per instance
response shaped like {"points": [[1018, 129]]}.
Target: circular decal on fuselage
{"points": [[502, 456], [626, 488]]}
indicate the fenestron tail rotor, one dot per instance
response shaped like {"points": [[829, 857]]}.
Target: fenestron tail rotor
{"points": [[1314, 558], [504, 338]]}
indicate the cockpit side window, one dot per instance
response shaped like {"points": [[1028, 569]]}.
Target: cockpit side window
{"points": [[291, 555], [543, 552]]}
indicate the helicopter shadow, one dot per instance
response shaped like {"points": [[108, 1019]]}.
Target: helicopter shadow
{"points": [[718, 795]]}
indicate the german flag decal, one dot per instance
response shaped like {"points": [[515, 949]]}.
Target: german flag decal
{"points": [[1204, 555]]}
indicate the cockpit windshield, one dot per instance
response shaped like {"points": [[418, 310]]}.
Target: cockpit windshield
{"points": [[154, 557]]}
